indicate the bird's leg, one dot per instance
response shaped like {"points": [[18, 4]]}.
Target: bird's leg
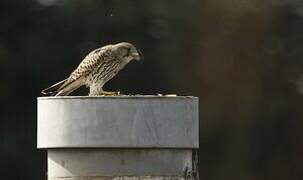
{"points": [[96, 90]]}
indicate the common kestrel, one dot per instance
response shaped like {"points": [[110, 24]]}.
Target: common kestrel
{"points": [[98, 67]]}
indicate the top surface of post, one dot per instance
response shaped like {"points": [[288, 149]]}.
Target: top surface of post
{"points": [[118, 122]]}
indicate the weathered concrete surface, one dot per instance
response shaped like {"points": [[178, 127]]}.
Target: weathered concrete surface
{"points": [[118, 163], [122, 178], [118, 122]]}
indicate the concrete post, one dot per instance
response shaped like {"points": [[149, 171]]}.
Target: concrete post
{"points": [[123, 137]]}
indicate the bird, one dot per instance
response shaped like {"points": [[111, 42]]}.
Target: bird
{"points": [[96, 69]]}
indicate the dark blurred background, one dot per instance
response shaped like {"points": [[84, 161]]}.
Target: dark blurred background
{"points": [[242, 58]]}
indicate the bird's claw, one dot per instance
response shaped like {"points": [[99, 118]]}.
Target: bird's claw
{"points": [[106, 93]]}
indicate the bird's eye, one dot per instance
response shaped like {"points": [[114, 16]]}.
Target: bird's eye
{"points": [[125, 52]]}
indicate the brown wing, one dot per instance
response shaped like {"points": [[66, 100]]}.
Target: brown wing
{"points": [[91, 61]]}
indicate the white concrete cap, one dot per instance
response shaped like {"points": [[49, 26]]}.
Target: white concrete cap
{"points": [[118, 122]]}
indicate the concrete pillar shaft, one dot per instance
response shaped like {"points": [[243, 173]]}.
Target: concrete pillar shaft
{"points": [[124, 137]]}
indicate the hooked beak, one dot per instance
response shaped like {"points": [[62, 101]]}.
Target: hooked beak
{"points": [[138, 55]]}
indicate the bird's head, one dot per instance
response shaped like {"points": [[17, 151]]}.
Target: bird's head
{"points": [[126, 51]]}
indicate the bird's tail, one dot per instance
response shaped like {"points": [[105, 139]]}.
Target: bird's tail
{"points": [[54, 89]]}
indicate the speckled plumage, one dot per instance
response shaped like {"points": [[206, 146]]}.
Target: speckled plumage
{"points": [[98, 67]]}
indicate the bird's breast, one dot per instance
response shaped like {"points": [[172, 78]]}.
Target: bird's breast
{"points": [[103, 73]]}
